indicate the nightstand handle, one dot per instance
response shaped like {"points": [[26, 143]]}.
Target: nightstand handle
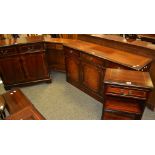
{"points": [[122, 91], [130, 92]]}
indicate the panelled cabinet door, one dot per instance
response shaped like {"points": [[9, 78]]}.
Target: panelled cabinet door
{"points": [[35, 66], [73, 69], [56, 59], [92, 77], [11, 70]]}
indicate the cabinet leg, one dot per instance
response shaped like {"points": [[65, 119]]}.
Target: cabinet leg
{"points": [[150, 106], [7, 87], [49, 81]]}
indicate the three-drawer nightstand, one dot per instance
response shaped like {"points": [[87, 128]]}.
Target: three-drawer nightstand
{"points": [[125, 94]]}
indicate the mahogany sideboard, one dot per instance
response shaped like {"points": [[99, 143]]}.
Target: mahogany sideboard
{"points": [[23, 64], [137, 47], [20, 107], [29, 60], [126, 93], [85, 68]]}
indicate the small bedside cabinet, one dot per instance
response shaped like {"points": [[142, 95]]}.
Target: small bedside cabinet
{"points": [[125, 94]]}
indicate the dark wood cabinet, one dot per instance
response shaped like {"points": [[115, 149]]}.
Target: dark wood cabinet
{"points": [[55, 56], [87, 71], [84, 63], [28, 113], [39, 69], [91, 77], [72, 63], [125, 94], [19, 107], [11, 70], [73, 70], [23, 65], [92, 72]]}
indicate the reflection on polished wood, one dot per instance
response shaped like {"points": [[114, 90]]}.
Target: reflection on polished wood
{"points": [[20, 107]]}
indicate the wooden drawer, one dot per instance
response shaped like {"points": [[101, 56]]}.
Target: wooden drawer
{"points": [[117, 116], [71, 52], [126, 92], [110, 64], [31, 47], [7, 51], [50, 46], [92, 59], [54, 46], [130, 106]]}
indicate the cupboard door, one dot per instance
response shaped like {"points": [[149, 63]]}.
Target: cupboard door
{"points": [[35, 66], [92, 77], [11, 70], [56, 59], [73, 69]]}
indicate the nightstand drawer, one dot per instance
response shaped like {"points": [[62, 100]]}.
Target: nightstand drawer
{"points": [[126, 92], [130, 106], [117, 116], [137, 93]]}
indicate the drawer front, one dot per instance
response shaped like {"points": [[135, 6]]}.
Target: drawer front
{"points": [[59, 47], [117, 116], [54, 46], [126, 92], [110, 64], [7, 51], [92, 59], [71, 52], [137, 93], [50, 46], [31, 47]]}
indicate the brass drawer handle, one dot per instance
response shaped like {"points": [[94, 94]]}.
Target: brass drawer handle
{"points": [[30, 48], [130, 92], [122, 92]]}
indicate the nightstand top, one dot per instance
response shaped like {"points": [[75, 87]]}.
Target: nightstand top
{"points": [[128, 78]]}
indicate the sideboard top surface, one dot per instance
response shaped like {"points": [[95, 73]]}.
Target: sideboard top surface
{"points": [[128, 78], [133, 61]]}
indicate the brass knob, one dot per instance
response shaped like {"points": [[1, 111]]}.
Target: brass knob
{"points": [[30, 48], [122, 91], [130, 92]]}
